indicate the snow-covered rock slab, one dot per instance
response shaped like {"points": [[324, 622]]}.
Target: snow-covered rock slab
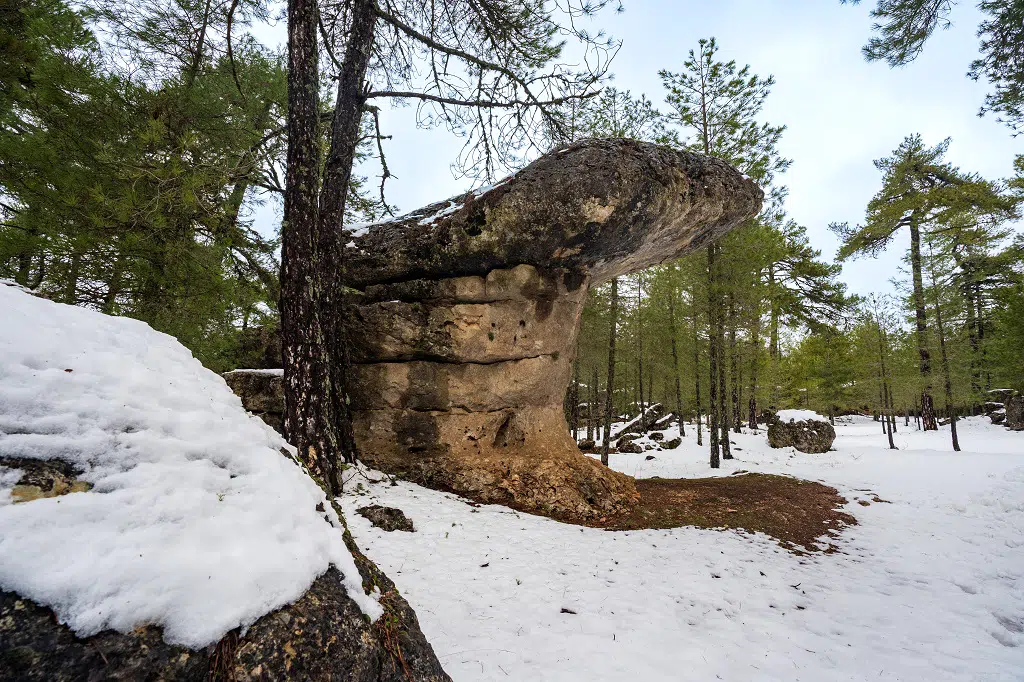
{"points": [[196, 521]]}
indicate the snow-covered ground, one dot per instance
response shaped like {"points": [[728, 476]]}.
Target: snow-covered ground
{"points": [[196, 521], [927, 587]]}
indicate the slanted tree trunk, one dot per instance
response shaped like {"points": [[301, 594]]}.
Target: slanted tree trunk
{"points": [[610, 384], [887, 427]]}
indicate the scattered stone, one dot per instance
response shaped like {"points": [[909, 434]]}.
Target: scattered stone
{"points": [[386, 518], [650, 457], [41, 479], [990, 407], [998, 417], [810, 435], [657, 435], [1015, 413], [1000, 395], [627, 438], [586, 444], [630, 447], [673, 444]]}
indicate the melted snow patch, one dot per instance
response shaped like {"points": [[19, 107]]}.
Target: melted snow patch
{"points": [[196, 522]]}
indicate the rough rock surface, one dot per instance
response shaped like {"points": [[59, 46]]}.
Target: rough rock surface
{"points": [[810, 435], [672, 444], [386, 518], [468, 311], [322, 636], [1015, 413], [262, 393]]}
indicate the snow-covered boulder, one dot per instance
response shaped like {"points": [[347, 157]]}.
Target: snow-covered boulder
{"points": [[812, 436], [166, 529]]}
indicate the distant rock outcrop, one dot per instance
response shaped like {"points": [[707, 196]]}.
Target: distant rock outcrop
{"points": [[465, 327], [810, 435]]}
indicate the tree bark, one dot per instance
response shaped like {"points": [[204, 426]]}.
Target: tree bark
{"points": [[737, 417], [723, 413], [713, 431], [675, 362], [696, 371], [920, 315], [312, 265], [609, 386]]}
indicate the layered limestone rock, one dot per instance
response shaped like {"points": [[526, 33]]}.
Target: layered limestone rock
{"points": [[466, 323]]}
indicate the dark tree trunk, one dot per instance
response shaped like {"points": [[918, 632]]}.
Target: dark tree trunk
{"points": [[610, 384], [592, 406], [723, 413], [71, 286], [887, 426], [696, 371], [947, 378], [755, 351], [713, 315], [312, 264], [675, 362], [921, 319], [734, 365], [574, 411]]}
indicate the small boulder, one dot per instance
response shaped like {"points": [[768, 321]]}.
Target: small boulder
{"points": [[626, 438], [650, 457], [672, 444], [657, 435], [1015, 413], [810, 435], [998, 417], [586, 444], [990, 407], [629, 447], [1000, 395], [386, 518]]}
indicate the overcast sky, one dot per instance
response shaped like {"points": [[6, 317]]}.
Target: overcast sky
{"points": [[840, 112]]}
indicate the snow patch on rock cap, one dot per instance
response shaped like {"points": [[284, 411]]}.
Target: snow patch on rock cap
{"points": [[801, 415]]}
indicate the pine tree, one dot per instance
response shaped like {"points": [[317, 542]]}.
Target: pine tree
{"points": [[920, 192]]}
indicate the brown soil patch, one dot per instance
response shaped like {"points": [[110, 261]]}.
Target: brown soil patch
{"points": [[797, 513]]}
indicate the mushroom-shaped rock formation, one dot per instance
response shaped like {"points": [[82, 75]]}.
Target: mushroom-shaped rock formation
{"points": [[465, 329]]}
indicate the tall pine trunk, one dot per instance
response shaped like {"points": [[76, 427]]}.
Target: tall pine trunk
{"points": [[610, 385], [675, 362], [713, 315], [723, 413], [696, 371], [921, 319], [946, 375], [316, 419]]}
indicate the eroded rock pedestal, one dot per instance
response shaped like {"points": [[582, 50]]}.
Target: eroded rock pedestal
{"points": [[465, 329]]}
